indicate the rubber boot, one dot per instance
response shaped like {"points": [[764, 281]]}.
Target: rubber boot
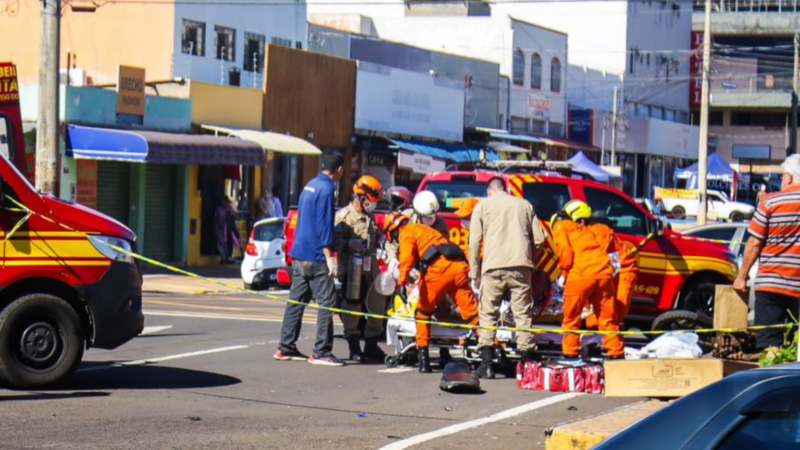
{"points": [[424, 360], [355, 349], [372, 351], [486, 369], [444, 357]]}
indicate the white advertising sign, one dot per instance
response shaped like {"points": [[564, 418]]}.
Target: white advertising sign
{"points": [[673, 139], [418, 163], [539, 105], [408, 103]]}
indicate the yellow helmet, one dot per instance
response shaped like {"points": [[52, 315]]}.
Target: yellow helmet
{"points": [[577, 210], [557, 217]]}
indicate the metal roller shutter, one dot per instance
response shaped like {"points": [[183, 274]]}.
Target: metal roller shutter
{"points": [[159, 216], [114, 189]]}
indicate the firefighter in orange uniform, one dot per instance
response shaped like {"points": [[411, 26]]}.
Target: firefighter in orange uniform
{"points": [[588, 271], [443, 270], [624, 281]]}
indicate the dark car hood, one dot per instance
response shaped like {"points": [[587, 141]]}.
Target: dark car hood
{"points": [[86, 219]]}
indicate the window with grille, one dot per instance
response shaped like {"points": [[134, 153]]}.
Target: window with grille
{"points": [[282, 41], [555, 75], [519, 67], [225, 43], [254, 52], [192, 38], [536, 71]]}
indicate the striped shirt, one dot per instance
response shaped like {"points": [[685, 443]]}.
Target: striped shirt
{"points": [[777, 223]]}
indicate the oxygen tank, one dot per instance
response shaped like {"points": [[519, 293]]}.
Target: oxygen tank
{"points": [[354, 270]]}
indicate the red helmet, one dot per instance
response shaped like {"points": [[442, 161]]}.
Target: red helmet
{"points": [[400, 197], [394, 222], [370, 187]]}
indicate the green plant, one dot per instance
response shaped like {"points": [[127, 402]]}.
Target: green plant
{"points": [[786, 354]]}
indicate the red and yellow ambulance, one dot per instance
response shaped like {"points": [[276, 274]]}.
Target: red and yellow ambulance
{"points": [[60, 291]]}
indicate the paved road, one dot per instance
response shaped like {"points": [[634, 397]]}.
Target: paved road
{"points": [[203, 378]]}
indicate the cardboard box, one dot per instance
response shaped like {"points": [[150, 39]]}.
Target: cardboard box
{"points": [[664, 378], [730, 308]]}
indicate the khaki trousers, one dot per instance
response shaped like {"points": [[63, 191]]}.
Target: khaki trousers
{"points": [[517, 283]]}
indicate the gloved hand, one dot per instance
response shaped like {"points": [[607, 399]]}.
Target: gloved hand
{"points": [[333, 267], [561, 282], [393, 268], [414, 274], [358, 246], [476, 284]]}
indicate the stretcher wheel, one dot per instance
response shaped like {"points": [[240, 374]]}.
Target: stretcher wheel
{"points": [[391, 361]]}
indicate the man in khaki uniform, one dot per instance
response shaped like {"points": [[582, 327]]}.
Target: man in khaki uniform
{"points": [[356, 235], [511, 236]]}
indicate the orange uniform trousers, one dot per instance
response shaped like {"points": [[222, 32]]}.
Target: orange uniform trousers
{"points": [[600, 294], [442, 278], [622, 299]]}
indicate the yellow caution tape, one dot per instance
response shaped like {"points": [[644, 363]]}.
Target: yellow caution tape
{"points": [[383, 316]]}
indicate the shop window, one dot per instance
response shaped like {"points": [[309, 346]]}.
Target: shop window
{"points": [[519, 67], [536, 71], [538, 126], [254, 52], [616, 211], [556, 129], [193, 38], [555, 75], [225, 43], [758, 119], [282, 41], [546, 198], [715, 118], [519, 124]]}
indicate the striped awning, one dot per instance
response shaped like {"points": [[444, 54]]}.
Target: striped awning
{"points": [[160, 148]]}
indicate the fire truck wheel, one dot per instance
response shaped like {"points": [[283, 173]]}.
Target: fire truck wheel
{"points": [[698, 296], [41, 341]]}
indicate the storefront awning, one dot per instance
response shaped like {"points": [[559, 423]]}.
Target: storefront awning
{"points": [[516, 137], [451, 152], [274, 142], [160, 148], [506, 148]]}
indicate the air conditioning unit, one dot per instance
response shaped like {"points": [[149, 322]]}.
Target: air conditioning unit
{"points": [[77, 77]]}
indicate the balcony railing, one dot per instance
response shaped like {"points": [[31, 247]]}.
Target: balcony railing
{"points": [[779, 6], [751, 84]]}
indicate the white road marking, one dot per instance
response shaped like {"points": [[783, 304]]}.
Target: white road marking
{"points": [[151, 330], [143, 362], [453, 429], [397, 370], [225, 316]]}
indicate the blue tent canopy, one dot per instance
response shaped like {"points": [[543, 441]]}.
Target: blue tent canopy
{"points": [[718, 169], [449, 152], [581, 163]]}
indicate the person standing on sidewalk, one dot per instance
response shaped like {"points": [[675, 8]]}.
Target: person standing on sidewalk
{"points": [[775, 243], [313, 266], [356, 244], [511, 236]]}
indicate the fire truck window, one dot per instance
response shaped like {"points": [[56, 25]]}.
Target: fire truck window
{"points": [[446, 190], [616, 211], [716, 233], [546, 198], [5, 137]]}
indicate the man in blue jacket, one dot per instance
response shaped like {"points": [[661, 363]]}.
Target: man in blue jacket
{"points": [[313, 266]]}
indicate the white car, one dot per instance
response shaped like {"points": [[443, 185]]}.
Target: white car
{"points": [[264, 253], [719, 205]]}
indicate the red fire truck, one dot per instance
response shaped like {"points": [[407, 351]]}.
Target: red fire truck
{"points": [[60, 291]]}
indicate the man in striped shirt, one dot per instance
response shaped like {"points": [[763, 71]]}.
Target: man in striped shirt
{"points": [[775, 242]]}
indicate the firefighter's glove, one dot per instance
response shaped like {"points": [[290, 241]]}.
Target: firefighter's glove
{"points": [[561, 282], [333, 267], [393, 268]]}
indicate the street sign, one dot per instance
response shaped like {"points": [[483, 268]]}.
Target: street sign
{"points": [[130, 91]]}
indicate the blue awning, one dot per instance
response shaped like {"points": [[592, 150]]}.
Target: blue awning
{"points": [[516, 137], [450, 152], [160, 148]]}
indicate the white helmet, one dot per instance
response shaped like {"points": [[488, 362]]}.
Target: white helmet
{"points": [[426, 203]]}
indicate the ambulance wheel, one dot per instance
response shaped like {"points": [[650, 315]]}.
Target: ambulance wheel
{"points": [[41, 342], [678, 212], [391, 361]]}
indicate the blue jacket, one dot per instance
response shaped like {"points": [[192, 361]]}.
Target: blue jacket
{"points": [[314, 220]]}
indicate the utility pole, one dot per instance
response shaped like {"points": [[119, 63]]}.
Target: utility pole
{"points": [[614, 127], [795, 89], [47, 136], [702, 160]]}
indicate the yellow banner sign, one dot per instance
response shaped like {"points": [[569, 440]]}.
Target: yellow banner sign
{"points": [[130, 91]]}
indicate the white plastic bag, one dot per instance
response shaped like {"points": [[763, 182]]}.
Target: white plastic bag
{"points": [[385, 283], [613, 258], [674, 345]]}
